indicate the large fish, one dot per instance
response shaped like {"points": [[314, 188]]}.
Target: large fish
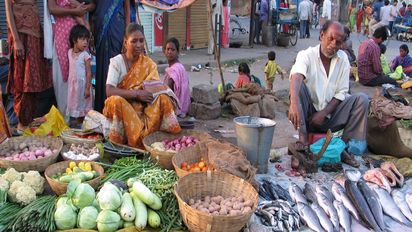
{"points": [[324, 191], [408, 198], [389, 206], [323, 217], [399, 198], [353, 174], [373, 203], [309, 192], [296, 194], [327, 205], [344, 216], [361, 205], [339, 193], [309, 216]]}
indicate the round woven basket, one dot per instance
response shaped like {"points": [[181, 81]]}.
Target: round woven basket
{"points": [[199, 185], [68, 137], [189, 156], [164, 158], [60, 188], [66, 148], [36, 165]]}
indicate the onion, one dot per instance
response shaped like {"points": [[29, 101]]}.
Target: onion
{"points": [[39, 152]]}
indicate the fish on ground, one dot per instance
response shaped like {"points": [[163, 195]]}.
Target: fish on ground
{"points": [[408, 198], [309, 192], [344, 216], [361, 205], [340, 194], [391, 167], [324, 220], [399, 198], [296, 194], [330, 210], [353, 174], [309, 217], [373, 203], [376, 176], [324, 191]]}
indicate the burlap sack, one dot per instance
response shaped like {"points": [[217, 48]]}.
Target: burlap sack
{"points": [[386, 141]]}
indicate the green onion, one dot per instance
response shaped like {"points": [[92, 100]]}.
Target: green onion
{"points": [[8, 212]]}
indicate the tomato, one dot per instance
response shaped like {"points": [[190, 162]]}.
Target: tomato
{"points": [[184, 164], [204, 169], [201, 164]]}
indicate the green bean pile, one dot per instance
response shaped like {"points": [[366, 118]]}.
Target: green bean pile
{"points": [[8, 211], [36, 216], [158, 180]]}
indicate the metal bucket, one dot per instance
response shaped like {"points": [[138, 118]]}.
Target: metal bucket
{"points": [[254, 136]]}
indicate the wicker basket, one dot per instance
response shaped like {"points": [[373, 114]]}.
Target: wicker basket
{"points": [[66, 148], [68, 137], [199, 185], [35, 165], [60, 188], [189, 156], [164, 158]]}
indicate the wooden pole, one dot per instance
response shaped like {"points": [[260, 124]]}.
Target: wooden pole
{"points": [[217, 54]]}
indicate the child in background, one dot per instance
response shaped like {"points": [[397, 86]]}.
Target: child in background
{"points": [[384, 62], [271, 69], [244, 76], [79, 99]]}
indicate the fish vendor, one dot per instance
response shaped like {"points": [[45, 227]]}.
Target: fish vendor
{"points": [[319, 99]]}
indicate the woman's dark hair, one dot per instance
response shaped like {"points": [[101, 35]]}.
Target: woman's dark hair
{"points": [[405, 48], [347, 32], [383, 48], [271, 55], [381, 33], [244, 68], [133, 27], [174, 41], [403, 4], [77, 32]]}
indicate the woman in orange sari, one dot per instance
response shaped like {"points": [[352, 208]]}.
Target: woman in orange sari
{"points": [[129, 104]]}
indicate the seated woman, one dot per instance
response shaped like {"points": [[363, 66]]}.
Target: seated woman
{"points": [[128, 102], [404, 59], [244, 76], [176, 76]]}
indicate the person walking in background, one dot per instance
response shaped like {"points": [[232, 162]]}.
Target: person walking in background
{"points": [[64, 16], [111, 19], [304, 15], [359, 18], [257, 24], [29, 71], [79, 98], [309, 22], [271, 69], [353, 12], [176, 76], [384, 17], [393, 14], [402, 10], [327, 10], [263, 18], [285, 5], [377, 5]]}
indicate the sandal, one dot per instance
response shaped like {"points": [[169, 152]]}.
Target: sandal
{"points": [[349, 159]]}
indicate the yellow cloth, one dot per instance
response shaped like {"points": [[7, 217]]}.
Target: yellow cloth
{"points": [[54, 124], [139, 119], [271, 69]]}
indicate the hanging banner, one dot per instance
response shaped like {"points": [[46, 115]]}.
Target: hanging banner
{"points": [[158, 29]]}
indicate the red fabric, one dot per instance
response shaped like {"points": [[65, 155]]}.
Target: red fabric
{"points": [[242, 80], [359, 18], [369, 63]]}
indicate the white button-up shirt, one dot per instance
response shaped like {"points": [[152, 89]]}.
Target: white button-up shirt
{"points": [[323, 87], [327, 9], [304, 10]]}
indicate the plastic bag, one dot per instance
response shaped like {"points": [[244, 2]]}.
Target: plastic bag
{"points": [[54, 125], [397, 74], [332, 153]]}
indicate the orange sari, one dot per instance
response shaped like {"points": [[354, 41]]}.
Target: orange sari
{"points": [[139, 119]]}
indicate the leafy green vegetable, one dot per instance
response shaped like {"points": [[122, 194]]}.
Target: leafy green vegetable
{"points": [[83, 196], [65, 217], [8, 211], [87, 218], [108, 221]]}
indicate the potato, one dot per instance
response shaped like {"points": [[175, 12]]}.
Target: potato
{"points": [[229, 204], [240, 199], [191, 201], [211, 208], [223, 211], [205, 204], [234, 212], [205, 210], [216, 200], [217, 207], [237, 206], [199, 201], [233, 199], [207, 199], [246, 209], [216, 213], [248, 203]]}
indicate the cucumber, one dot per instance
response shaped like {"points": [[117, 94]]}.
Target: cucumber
{"points": [[153, 218], [127, 210], [66, 178], [157, 203], [88, 175], [143, 193], [140, 221]]}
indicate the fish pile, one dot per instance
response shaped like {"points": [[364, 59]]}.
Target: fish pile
{"points": [[350, 195], [276, 210]]}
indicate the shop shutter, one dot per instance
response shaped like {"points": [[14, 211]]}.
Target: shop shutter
{"points": [[177, 27], [146, 19], [199, 29]]}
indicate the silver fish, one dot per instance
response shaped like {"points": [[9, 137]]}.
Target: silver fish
{"points": [[408, 198], [309, 217], [327, 205], [309, 192], [353, 174], [323, 217], [344, 217], [339, 193], [323, 190], [296, 194], [373, 203], [389, 206], [399, 198]]}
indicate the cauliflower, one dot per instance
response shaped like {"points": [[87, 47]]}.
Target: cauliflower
{"points": [[34, 180], [4, 184], [25, 195], [12, 175], [14, 189]]}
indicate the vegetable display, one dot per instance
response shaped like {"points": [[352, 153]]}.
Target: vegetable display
{"points": [[8, 211], [27, 151], [83, 172], [232, 206], [200, 166], [21, 187], [175, 145], [82, 152]]}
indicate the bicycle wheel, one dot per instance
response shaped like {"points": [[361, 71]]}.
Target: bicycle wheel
{"points": [[293, 35], [235, 28]]}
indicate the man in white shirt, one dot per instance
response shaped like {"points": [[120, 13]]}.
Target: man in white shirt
{"points": [[327, 10], [385, 16], [393, 14], [305, 12], [319, 92]]}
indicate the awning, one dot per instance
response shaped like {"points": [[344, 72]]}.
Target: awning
{"points": [[158, 7]]}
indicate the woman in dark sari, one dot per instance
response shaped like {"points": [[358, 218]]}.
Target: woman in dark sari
{"points": [[111, 19]]}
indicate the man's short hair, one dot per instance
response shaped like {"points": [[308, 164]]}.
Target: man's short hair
{"points": [[328, 24], [381, 33], [383, 48], [386, 2]]}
